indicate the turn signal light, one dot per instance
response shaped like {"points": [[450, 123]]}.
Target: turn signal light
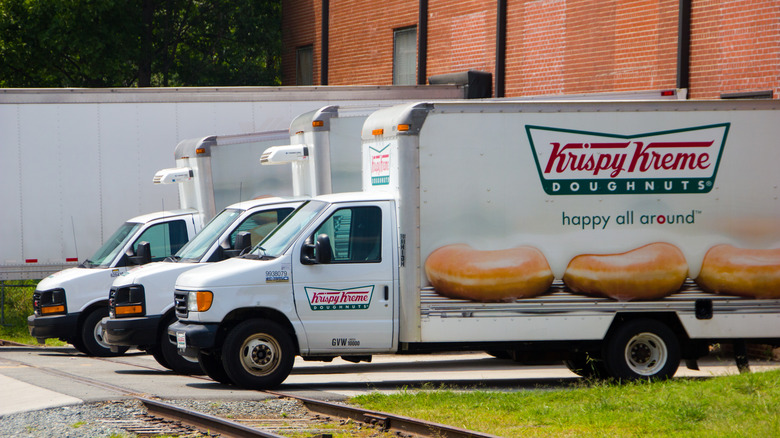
{"points": [[199, 301], [129, 310], [52, 309], [379, 131]]}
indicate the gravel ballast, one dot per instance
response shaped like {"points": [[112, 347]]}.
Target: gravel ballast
{"points": [[100, 419]]}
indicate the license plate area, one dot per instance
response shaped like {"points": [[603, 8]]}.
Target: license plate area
{"points": [[181, 340]]}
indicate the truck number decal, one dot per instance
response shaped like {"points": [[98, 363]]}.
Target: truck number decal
{"points": [[277, 276], [356, 298], [583, 163]]}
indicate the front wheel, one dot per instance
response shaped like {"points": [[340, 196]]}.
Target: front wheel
{"points": [[258, 354], [171, 359], [92, 336], [211, 364], [642, 349]]}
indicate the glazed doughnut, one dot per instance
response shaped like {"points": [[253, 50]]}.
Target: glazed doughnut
{"points": [[753, 273], [649, 272], [459, 271]]}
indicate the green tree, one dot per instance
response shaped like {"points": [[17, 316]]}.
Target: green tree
{"points": [[125, 43]]}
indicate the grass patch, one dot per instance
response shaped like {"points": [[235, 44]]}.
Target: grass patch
{"points": [[745, 405], [17, 307]]}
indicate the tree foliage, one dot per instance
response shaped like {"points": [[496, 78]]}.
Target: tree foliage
{"points": [[126, 43]]}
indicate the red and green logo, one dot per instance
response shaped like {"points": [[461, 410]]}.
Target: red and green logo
{"points": [[574, 162], [355, 298]]}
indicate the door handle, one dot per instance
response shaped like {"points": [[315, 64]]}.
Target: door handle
{"points": [[387, 292]]}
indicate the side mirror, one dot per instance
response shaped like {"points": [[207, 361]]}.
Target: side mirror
{"points": [[243, 242], [143, 254], [323, 254], [317, 253]]}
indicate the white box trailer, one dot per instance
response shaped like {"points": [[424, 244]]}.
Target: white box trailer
{"points": [[632, 233], [75, 163], [323, 148]]}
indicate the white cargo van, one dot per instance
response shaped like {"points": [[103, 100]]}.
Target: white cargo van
{"points": [[211, 172], [324, 152], [559, 230]]}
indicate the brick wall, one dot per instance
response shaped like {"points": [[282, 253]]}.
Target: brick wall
{"points": [[553, 46], [299, 28], [735, 47]]}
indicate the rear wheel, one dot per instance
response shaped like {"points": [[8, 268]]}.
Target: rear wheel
{"points": [[258, 354], [92, 336], [642, 349], [211, 364]]}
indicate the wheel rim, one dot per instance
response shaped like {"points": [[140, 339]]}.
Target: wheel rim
{"points": [[260, 354], [646, 354], [98, 333]]}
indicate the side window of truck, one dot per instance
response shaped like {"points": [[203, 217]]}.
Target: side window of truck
{"points": [[355, 235], [260, 224], [164, 239]]}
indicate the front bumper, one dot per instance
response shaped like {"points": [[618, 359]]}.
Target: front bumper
{"points": [[141, 331], [197, 337], [63, 327]]}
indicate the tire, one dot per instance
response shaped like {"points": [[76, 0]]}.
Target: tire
{"points": [[169, 352], [211, 365], [642, 349], [585, 365], [92, 335], [258, 354], [78, 345], [157, 354]]}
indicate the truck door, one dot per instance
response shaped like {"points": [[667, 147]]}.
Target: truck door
{"points": [[347, 304]]}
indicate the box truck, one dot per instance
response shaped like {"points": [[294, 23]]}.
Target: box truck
{"points": [[74, 163], [324, 153], [633, 233], [211, 172]]}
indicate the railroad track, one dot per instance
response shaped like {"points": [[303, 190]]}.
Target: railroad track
{"points": [[163, 418]]}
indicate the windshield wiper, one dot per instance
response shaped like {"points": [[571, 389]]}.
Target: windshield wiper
{"points": [[173, 258]]}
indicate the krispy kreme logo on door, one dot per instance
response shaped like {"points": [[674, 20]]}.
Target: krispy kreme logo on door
{"points": [[579, 162], [344, 299]]}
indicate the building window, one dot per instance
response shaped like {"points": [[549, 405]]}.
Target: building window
{"points": [[405, 56], [304, 65]]}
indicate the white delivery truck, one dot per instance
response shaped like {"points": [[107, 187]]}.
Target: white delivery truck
{"points": [[635, 233], [324, 151], [212, 172], [75, 162]]}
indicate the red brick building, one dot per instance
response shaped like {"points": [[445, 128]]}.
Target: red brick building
{"points": [[712, 48]]}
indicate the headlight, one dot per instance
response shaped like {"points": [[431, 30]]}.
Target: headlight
{"points": [[50, 302], [199, 301], [127, 301]]}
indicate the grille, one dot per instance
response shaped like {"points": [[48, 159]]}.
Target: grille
{"points": [[180, 303], [36, 299]]}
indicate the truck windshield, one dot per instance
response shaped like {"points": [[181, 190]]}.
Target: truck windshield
{"points": [[196, 248], [107, 253], [282, 237]]}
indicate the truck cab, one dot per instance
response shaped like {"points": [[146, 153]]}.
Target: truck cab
{"points": [[323, 284], [140, 305], [70, 304]]}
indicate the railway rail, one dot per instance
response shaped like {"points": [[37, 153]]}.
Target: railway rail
{"points": [[164, 418]]}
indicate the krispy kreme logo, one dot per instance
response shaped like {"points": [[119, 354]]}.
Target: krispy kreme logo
{"points": [[344, 299], [578, 162], [380, 165]]}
